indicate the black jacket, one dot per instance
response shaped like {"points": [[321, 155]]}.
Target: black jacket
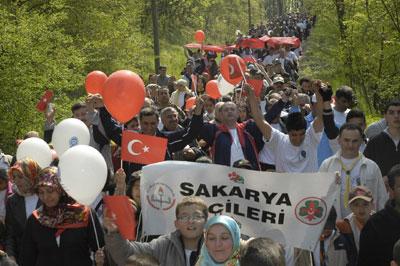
{"points": [[382, 150], [15, 224], [40, 247], [379, 236]]}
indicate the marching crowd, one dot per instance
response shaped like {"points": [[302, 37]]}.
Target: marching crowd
{"points": [[291, 125]]}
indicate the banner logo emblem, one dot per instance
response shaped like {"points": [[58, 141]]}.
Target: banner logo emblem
{"points": [[160, 196], [311, 211]]}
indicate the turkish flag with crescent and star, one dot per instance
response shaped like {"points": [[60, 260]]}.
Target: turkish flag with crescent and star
{"points": [[142, 149], [234, 68]]}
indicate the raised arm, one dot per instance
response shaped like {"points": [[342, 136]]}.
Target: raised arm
{"points": [[318, 123], [263, 125], [49, 124], [331, 130]]}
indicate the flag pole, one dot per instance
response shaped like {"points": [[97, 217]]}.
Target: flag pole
{"points": [[244, 78]]}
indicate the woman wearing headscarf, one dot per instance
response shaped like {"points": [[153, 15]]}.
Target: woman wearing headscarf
{"points": [[61, 232], [221, 242], [21, 204]]}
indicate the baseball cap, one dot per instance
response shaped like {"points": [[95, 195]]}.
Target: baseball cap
{"points": [[278, 79], [360, 192]]}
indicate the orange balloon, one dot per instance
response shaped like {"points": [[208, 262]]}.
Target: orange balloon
{"points": [[199, 36], [190, 103], [124, 95], [232, 68], [212, 89], [95, 81]]}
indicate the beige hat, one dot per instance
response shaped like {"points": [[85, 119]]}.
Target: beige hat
{"points": [[278, 79], [360, 192]]}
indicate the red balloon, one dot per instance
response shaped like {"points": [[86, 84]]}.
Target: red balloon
{"points": [[95, 81], [232, 68], [190, 103], [212, 89], [124, 95], [199, 36]]}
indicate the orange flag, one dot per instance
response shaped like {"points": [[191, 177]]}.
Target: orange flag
{"points": [[125, 215], [257, 85], [143, 149]]}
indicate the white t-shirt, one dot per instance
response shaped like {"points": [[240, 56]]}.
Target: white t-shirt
{"points": [[267, 156], [187, 254], [340, 117], [355, 180], [30, 204], [294, 159], [236, 148]]}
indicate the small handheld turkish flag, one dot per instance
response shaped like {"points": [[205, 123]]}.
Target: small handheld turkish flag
{"points": [[257, 85], [125, 215], [143, 149], [44, 101]]}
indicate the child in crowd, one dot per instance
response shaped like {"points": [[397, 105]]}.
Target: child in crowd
{"points": [[179, 248], [344, 250]]}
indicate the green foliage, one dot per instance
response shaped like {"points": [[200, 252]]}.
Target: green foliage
{"points": [[53, 44], [35, 54], [364, 54]]}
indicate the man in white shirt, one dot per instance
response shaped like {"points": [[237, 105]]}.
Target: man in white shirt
{"points": [[344, 99], [296, 151], [354, 169]]}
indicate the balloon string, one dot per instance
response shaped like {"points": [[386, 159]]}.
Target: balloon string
{"points": [[95, 230], [121, 144]]}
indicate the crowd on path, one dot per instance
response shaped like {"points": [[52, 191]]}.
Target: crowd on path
{"points": [[290, 124]]}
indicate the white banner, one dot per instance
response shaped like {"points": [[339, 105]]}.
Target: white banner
{"points": [[289, 208]]}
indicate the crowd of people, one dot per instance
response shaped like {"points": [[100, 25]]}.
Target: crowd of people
{"points": [[293, 125], [289, 25]]}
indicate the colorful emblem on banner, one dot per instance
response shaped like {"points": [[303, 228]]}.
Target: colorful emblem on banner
{"points": [[236, 178], [160, 196], [311, 211]]}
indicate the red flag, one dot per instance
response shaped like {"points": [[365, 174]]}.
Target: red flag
{"points": [[257, 84], [252, 43], [125, 215], [46, 98], [143, 149]]}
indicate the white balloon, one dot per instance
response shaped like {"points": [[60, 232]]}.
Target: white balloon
{"points": [[224, 86], [36, 149], [83, 173], [68, 133]]}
